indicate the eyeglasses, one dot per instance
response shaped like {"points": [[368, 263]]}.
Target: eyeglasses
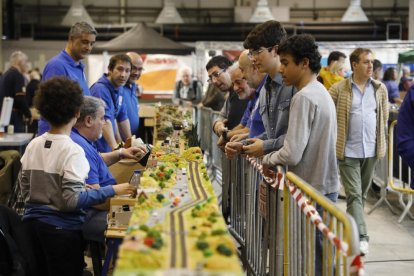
{"points": [[257, 52], [215, 75]]}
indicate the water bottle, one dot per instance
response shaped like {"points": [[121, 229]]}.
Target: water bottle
{"points": [[136, 179]]}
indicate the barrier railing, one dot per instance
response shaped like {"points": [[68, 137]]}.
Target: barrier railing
{"points": [[275, 221], [397, 180]]}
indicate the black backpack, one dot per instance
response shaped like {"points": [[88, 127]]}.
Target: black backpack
{"points": [[15, 255]]}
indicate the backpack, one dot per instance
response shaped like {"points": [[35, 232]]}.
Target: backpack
{"points": [[12, 261]]}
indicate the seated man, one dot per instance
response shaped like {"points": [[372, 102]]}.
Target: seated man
{"points": [[52, 181], [86, 132]]}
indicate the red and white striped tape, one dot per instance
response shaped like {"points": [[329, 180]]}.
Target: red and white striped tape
{"points": [[259, 168], [309, 210]]}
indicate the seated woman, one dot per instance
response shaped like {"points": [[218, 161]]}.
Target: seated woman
{"points": [[52, 180]]}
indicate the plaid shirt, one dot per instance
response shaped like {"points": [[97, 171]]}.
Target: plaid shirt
{"points": [[341, 93]]}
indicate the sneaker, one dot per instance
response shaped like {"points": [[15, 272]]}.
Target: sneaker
{"points": [[364, 247]]}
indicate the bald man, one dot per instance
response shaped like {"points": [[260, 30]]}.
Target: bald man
{"points": [[130, 92], [251, 122]]}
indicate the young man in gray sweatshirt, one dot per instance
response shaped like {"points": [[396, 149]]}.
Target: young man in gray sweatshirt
{"points": [[309, 146]]}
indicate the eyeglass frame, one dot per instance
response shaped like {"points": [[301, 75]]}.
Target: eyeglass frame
{"points": [[215, 75], [257, 52]]}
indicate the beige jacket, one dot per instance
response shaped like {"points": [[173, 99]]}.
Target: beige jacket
{"points": [[341, 93]]}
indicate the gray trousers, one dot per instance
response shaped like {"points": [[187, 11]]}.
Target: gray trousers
{"points": [[356, 177]]}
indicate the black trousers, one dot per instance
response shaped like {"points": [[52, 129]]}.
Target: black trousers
{"points": [[58, 251], [17, 121]]}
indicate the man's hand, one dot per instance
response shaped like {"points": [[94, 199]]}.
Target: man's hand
{"points": [[239, 137], [254, 149], [221, 143], [124, 189], [135, 153], [232, 149], [220, 127]]}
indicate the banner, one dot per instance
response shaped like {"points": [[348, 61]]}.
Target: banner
{"points": [[160, 75]]}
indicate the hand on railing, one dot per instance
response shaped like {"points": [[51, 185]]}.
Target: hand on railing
{"points": [[254, 147], [239, 137], [232, 149]]}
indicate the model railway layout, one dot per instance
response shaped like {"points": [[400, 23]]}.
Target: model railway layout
{"points": [[177, 214], [176, 227]]}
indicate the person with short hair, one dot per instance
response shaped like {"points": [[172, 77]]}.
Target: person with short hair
{"points": [[188, 91], [68, 62], [252, 121], [130, 92], [362, 113], [262, 43], [406, 81], [110, 89], [329, 75], [233, 109], [86, 131], [13, 84], [377, 70], [52, 182], [309, 146]]}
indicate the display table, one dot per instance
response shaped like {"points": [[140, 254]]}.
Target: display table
{"points": [[19, 140], [176, 226]]}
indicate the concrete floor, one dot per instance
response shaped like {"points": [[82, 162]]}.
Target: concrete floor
{"points": [[391, 249]]}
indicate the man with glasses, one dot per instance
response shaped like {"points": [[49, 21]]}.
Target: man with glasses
{"points": [[262, 43], [130, 92], [233, 109]]}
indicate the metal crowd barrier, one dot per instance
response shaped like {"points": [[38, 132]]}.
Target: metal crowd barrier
{"points": [[275, 220], [398, 181]]}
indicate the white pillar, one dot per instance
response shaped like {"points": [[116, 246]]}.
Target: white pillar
{"points": [[411, 20]]}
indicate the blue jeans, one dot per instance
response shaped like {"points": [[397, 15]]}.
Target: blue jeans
{"points": [[319, 236]]}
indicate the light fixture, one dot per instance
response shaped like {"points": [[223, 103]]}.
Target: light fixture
{"points": [[354, 13], [169, 14], [262, 12], [76, 13]]}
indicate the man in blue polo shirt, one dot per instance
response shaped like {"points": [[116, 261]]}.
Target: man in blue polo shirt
{"points": [[252, 120], [68, 62], [87, 130], [130, 92], [110, 89]]}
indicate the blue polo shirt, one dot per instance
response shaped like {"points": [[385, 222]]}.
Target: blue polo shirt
{"points": [[132, 106], [99, 172], [254, 122], [115, 106], [63, 65]]}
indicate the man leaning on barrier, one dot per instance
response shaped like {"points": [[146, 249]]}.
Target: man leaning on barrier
{"points": [[251, 122], [233, 109], [262, 43], [309, 146], [244, 92]]}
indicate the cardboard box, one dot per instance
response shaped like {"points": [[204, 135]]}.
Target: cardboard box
{"points": [[123, 170]]}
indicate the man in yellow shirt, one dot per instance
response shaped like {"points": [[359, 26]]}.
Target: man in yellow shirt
{"points": [[332, 73]]}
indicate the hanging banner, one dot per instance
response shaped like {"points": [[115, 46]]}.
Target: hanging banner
{"points": [[160, 75]]}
